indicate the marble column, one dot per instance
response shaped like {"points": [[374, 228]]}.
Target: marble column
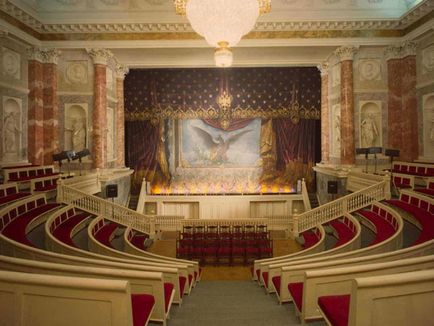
{"points": [[99, 116], [35, 107], [346, 55], [325, 115], [402, 100], [410, 143], [394, 106], [51, 109], [121, 71]]}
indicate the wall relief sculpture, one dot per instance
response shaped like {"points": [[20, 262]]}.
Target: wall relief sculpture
{"points": [[336, 75], [370, 69], [76, 137], [11, 63], [370, 124], [428, 126], [12, 128], [76, 72], [428, 59]]}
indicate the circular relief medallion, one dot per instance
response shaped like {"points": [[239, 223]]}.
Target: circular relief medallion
{"points": [[370, 70], [11, 63], [76, 73]]}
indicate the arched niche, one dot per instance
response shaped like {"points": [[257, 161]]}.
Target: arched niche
{"points": [[428, 126], [12, 129], [76, 126], [370, 125]]}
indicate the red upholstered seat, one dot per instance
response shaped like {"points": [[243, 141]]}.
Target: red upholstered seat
{"points": [[296, 291], [258, 275], [63, 231], [345, 234], [142, 305], [168, 289], [138, 241], [182, 281], [190, 278], [104, 234], [426, 191], [384, 229], [276, 283], [336, 308], [13, 197], [265, 278], [310, 239]]}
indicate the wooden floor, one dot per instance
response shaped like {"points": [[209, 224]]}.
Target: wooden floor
{"points": [[166, 246]]}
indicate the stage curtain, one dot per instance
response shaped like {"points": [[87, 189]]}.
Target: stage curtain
{"points": [[146, 152], [297, 149]]}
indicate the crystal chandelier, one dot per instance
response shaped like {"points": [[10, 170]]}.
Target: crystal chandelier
{"points": [[222, 22]]}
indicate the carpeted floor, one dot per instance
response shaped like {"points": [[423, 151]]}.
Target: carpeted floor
{"points": [[232, 303]]}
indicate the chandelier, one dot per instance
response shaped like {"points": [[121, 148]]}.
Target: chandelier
{"points": [[222, 22]]}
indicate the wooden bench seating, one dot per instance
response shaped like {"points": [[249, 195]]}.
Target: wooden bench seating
{"points": [[416, 169], [380, 300], [147, 288], [403, 181], [9, 193], [70, 301], [67, 222], [382, 221], [104, 232], [421, 208], [345, 230], [16, 221], [47, 185], [25, 174], [316, 281], [429, 190]]}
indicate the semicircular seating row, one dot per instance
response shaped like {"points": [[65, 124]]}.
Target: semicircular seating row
{"points": [[345, 284], [151, 283]]}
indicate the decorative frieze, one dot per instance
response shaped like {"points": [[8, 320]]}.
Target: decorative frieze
{"points": [[399, 51], [43, 55]]}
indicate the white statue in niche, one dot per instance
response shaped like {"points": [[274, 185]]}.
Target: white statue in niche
{"points": [[78, 131], [369, 131], [11, 132]]}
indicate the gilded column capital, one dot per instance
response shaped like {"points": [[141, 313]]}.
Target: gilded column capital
{"points": [[323, 68], [346, 52], [100, 56], [121, 71], [399, 51]]}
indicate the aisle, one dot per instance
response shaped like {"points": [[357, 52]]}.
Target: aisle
{"points": [[232, 303]]}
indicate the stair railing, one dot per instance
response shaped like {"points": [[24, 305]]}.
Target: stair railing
{"points": [[336, 208]]}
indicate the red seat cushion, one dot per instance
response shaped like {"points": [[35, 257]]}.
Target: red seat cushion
{"points": [[182, 281], [168, 289], [63, 231], [142, 305], [345, 234], [296, 291], [336, 308], [276, 283], [103, 235], [384, 229], [265, 278]]}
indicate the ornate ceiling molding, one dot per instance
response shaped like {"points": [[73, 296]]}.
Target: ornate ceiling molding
{"points": [[127, 27], [346, 52]]}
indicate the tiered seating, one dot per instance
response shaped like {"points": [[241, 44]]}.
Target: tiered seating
{"points": [[384, 223], [224, 243], [9, 193], [416, 169], [345, 230], [311, 238], [421, 208], [138, 239], [429, 190], [403, 181], [25, 174], [382, 300], [67, 222], [104, 232], [46, 185], [18, 219]]}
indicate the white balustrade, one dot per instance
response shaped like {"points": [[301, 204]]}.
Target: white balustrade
{"points": [[336, 208], [111, 211]]}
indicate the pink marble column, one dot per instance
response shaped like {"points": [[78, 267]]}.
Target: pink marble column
{"points": [[394, 107], [121, 71], [99, 116], [348, 155], [35, 107], [402, 100], [410, 143], [51, 109], [325, 123]]}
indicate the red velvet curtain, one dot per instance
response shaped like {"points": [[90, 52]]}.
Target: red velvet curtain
{"points": [[141, 142], [235, 124]]}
